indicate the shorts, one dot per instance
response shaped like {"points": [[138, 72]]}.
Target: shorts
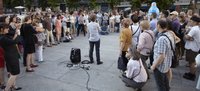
{"points": [[68, 24], [190, 56]]}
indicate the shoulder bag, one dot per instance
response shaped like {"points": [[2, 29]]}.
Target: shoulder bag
{"points": [[175, 62]]}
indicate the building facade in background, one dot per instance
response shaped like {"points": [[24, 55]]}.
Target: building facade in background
{"points": [[183, 5]]}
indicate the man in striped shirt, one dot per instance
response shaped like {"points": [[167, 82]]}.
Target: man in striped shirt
{"points": [[162, 58]]}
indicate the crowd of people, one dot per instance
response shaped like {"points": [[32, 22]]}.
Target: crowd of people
{"points": [[153, 35], [159, 37]]}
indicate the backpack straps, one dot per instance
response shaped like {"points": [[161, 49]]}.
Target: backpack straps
{"points": [[135, 31], [170, 42], [139, 70], [150, 35]]}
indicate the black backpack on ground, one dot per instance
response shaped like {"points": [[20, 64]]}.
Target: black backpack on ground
{"points": [[67, 39], [75, 55], [104, 30]]}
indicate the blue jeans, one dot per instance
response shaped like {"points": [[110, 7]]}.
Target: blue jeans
{"points": [[118, 26], [97, 47], [162, 81], [81, 28]]}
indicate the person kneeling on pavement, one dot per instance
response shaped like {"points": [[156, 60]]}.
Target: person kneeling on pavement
{"points": [[136, 75]]}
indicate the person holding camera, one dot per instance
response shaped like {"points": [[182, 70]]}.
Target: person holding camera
{"points": [[9, 44], [145, 43], [135, 76]]}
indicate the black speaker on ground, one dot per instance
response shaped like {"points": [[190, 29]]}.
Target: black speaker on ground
{"points": [[62, 7], [75, 55]]}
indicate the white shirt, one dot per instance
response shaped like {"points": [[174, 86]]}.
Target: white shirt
{"points": [[195, 44], [64, 20], [93, 31], [136, 33], [117, 18], [72, 19], [54, 20], [86, 19], [112, 18], [99, 15], [133, 68]]}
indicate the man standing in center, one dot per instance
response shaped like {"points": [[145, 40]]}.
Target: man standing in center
{"points": [[94, 39]]}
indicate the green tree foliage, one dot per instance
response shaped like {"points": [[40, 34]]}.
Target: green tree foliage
{"points": [[72, 4], [54, 3], [135, 3], [164, 4], [113, 3], [93, 4], [28, 3], [193, 5], [12, 3]]}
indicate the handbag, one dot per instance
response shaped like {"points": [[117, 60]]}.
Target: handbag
{"points": [[175, 62], [121, 64], [40, 38], [35, 39]]}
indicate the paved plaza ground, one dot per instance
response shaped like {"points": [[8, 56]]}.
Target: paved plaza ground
{"points": [[53, 75]]}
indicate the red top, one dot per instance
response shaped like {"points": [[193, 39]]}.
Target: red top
{"points": [[2, 64]]}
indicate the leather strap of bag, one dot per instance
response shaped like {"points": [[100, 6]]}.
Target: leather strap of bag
{"points": [[139, 71], [135, 31], [170, 42]]}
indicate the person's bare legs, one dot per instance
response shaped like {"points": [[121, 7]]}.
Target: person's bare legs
{"points": [[11, 82], [28, 62], [1, 76], [193, 68], [32, 60], [58, 37], [169, 75]]}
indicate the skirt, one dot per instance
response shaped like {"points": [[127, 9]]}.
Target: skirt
{"points": [[29, 48]]}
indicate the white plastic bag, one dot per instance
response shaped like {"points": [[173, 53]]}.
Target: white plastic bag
{"points": [[197, 59]]}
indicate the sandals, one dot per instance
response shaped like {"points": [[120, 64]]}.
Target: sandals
{"points": [[2, 86], [33, 65], [29, 70], [15, 88]]}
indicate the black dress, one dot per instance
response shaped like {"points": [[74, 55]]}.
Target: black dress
{"points": [[29, 38], [11, 53]]}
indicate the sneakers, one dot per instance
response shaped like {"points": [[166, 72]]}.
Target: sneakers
{"points": [[91, 62], [189, 76], [100, 62], [29, 70]]}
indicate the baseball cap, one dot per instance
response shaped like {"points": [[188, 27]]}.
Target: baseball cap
{"points": [[195, 18], [174, 13]]}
